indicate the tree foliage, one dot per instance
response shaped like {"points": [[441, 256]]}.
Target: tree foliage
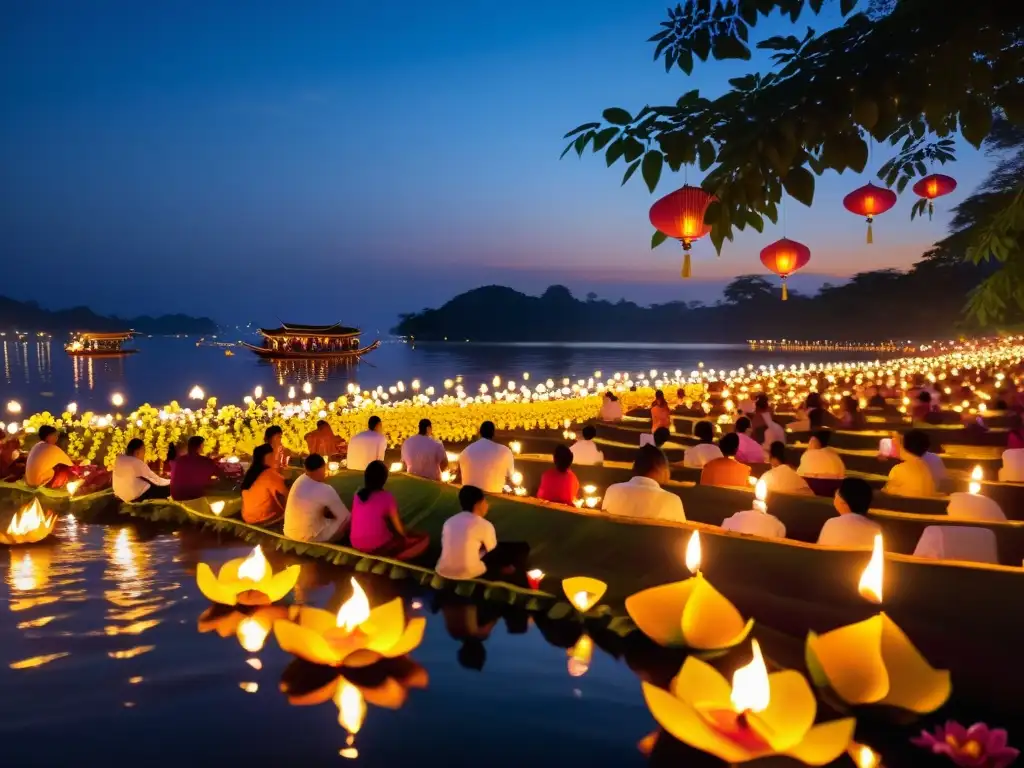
{"points": [[909, 73]]}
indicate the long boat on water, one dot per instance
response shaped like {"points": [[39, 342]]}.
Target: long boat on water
{"points": [[100, 344], [311, 342]]}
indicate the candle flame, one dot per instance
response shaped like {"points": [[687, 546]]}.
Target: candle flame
{"points": [[580, 655], [355, 610], [396, 466], [761, 490], [535, 575], [251, 634], [446, 476], [590, 490], [750, 689], [73, 486], [864, 756], [693, 553], [517, 478], [217, 507], [196, 393], [516, 446], [351, 707], [581, 600], [255, 566], [977, 475], [870, 586], [29, 519]]}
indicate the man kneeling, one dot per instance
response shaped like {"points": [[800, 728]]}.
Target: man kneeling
{"points": [[470, 548]]}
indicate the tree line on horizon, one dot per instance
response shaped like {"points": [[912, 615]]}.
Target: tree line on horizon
{"points": [[28, 316]]}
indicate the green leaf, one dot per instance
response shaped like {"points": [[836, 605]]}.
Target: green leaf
{"points": [[975, 121], [856, 154], [700, 44], [581, 142], [706, 153], [580, 129], [865, 112], [845, 6], [567, 148], [617, 116], [799, 184], [633, 149], [630, 171], [614, 152], [651, 168], [603, 137], [658, 238], [755, 221]]}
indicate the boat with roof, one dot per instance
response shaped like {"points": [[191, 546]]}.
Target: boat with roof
{"points": [[100, 344], [310, 342]]}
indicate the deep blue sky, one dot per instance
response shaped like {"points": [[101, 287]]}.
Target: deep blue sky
{"points": [[351, 159]]}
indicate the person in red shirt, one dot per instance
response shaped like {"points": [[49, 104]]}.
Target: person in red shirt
{"points": [[193, 473], [559, 484], [726, 472]]}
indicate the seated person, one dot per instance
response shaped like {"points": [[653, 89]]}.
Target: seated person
{"points": [[726, 471], [643, 496], [660, 436], [749, 451], [782, 478], [762, 413], [274, 437], [12, 464], [851, 417], [810, 416], [314, 511], [611, 407], [322, 440], [485, 463], [133, 479], [559, 484], [819, 460], [263, 488], [585, 450], [851, 529], [193, 474], [377, 527], [469, 544], [756, 523], [661, 414], [704, 451], [912, 476], [423, 454], [369, 445], [1012, 470], [1015, 433], [923, 409], [47, 466]]}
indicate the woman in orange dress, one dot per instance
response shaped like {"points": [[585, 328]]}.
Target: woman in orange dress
{"points": [[263, 489]]}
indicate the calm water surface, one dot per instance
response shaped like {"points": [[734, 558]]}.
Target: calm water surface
{"points": [[42, 377]]}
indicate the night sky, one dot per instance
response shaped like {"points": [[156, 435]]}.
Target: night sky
{"points": [[348, 160]]}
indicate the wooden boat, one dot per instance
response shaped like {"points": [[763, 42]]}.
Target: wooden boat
{"points": [[310, 342], [99, 344]]}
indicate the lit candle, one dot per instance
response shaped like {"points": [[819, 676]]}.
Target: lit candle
{"points": [[534, 577]]}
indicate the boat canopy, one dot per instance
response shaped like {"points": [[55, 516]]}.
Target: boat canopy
{"points": [[288, 330], [84, 336]]}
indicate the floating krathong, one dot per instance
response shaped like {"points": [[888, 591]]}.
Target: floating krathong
{"points": [[690, 613], [356, 637], [873, 661], [29, 525], [583, 592], [759, 715], [246, 581]]}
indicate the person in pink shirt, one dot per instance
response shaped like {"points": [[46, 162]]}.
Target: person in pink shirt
{"points": [[377, 527], [193, 474], [559, 484], [750, 451], [661, 414]]}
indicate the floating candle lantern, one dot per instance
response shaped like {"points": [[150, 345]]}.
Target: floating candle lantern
{"points": [[356, 636], [196, 393], [29, 525], [117, 399], [248, 581], [534, 578], [583, 592], [759, 715], [873, 661]]}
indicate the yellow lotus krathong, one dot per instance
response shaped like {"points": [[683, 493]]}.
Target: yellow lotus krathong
{"points": [[759, 715], [356, 637], [583, 592], [29, 525], [873, 661], [247, 581], [690, 613]]}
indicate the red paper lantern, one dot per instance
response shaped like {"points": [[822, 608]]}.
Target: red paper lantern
{"points": [[680, 215], [784, 257], [935, 185], [870, 201]]}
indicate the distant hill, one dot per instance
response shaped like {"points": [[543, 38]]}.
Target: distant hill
{"points": [[29, 316]]}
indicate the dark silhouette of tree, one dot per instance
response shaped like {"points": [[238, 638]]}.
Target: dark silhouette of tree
{"points": [[29, 316], [748, 288]]}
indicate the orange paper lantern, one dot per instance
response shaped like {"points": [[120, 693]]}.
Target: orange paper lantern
{"points": [[870, 201], [784, 257], [932, 186], [680, 215]]}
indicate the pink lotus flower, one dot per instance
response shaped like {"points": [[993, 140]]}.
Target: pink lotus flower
{"points": [[974, 747]]}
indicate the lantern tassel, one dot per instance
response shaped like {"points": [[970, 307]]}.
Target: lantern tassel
{"points": [[931, 209], [871, 237], [785, 292], [686, 265]]}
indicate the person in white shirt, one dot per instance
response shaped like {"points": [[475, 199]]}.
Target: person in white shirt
{"points": [[314, 511], [643, 496], [133, 480], [912, 476], [852, 529], [750, 452], [367, 446], [611, 408], [585, 451], [470, 548], [756, 523], [773, 433], [819, 460], [782, 478], [698, 455], [485, 463], [423, 454]]}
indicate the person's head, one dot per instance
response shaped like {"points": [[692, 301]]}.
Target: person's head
{"points": [[916, 442], [426, 428], [742, 425], [262, 458], [589, 432], [651, 463], [374, 478], [472, 499], [273, 436], [487, 430], [195, 445], [321, 424], [659, 397], [924, 397], [1016, 422], [729, 445], [48, 434], [661, 436], [813, 401], [820, 439], [63, 439], [704, 431], [816, 418], [854, 495], [777, 453], [135, 448], [172, 452], [680, 394], [562, 457], [610, 397], [374, 424], [315, 466], [761, 403], [850, 404]]}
